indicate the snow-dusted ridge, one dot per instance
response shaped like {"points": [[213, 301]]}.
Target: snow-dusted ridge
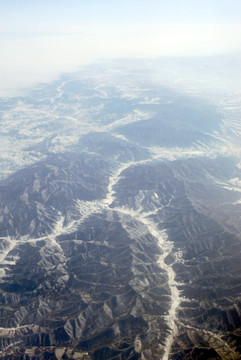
{"points": [[166, 247], [88, 208], [34, 127]]}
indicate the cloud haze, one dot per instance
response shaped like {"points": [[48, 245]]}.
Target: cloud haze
{"points": [[39, 41]]}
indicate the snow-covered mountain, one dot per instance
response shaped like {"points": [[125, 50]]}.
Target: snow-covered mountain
{"points": [[120, 233]]}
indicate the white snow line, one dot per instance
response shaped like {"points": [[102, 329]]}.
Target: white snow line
{"points": [[166, 247]]}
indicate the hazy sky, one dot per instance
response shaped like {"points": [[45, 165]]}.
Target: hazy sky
{"points": [[40, 39]]}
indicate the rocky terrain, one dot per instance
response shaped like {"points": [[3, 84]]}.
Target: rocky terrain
{"points": [[120, 232]]}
